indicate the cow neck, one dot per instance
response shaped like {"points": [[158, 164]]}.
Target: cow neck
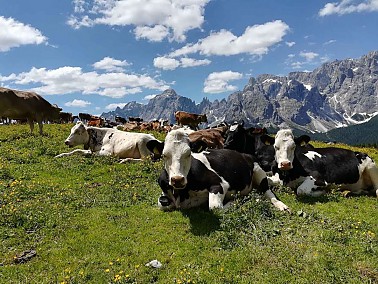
{"points": [[92, 140]]}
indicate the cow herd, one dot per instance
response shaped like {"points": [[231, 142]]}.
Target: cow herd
{"points": [[209, 166]]}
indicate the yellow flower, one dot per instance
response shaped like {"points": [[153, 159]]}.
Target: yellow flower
{"points": [[107, 270]]}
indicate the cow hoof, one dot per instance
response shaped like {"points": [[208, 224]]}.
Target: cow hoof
{"points": [[164, 201]]}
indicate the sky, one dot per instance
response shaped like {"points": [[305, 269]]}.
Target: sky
{"points": [[92, 56]]}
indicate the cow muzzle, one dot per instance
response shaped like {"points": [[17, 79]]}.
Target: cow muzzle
{"points": [[178, 182], [285, 165], [68, 143]]}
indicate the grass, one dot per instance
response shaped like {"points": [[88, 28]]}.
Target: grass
{"points": [[93, 220]]}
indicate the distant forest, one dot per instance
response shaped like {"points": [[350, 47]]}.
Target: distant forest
{"points": [[365, 134]]}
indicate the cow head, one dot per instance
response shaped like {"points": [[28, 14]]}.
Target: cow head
{"points": [[236, 138], [203, 118], [78, 136], [176, 152], [284, 145]]}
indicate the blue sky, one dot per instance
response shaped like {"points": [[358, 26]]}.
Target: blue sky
{"points": [[91, 56]]}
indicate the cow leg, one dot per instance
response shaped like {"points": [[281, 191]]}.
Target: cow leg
{"points": [[275, 201], [76, 151], [372, 171], [260, 181], [216, 197], [40, 124], [309, 188], [31, 124]]}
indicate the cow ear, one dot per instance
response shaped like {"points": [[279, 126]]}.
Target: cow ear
{"points": [[155, 147], [198, 146], [266, 139], [302, 140]]}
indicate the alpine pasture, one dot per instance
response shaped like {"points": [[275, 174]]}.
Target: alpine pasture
{"points": [[93, 220]]}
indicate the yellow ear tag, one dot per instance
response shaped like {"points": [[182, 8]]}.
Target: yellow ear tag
{"points": [[303, 143], [156, 151]]}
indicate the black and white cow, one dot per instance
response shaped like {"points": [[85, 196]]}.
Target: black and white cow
{"points": [[108, 142], [248, 141], [315, 168], [190, 178]]}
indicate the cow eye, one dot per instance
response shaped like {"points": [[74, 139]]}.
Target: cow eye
{"points": [[276, 148]]}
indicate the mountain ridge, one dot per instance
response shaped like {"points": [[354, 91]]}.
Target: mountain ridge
{"points": [[336, 94]]}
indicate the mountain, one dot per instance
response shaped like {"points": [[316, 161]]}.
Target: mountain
{"points": [[337, 94]]}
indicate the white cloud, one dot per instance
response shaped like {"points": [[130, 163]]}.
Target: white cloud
{"points": [[77, 103], [156, 33], [170, 18], [65, 80], [309, 56], [191, 62], [290, 43], [114, 106], [166, 63], [218, 82], [111, 64], [15, 34], [329, 42], [149, 97], [347, 7], [256, 40]]}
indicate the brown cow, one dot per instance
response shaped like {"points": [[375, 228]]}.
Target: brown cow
{"points": [[17, 104], [96, 121], [190, 119], [213, 137]]}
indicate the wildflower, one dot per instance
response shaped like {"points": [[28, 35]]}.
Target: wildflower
{"points": [[107, 270]]}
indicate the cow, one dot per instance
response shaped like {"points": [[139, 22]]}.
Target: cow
{"points": [[120, 119], [65, 117], [315, 168], [135, 119], [212, 137], [16, 104], [248, 141], [84, 117], [96, 121], [190, 119], [192, 178], [108, 142]]}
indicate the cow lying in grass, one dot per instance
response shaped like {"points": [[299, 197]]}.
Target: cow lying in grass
{"points": [[108, 142], [315, 168], [192, 178]]}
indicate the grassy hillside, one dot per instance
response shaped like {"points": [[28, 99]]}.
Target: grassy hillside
{"points": [[93, 220]]}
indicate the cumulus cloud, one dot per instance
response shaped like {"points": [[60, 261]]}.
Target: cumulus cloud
{"points": [[218, 82], [309, 56], [15, 34], [168, 18], [114, 106], [111, 64], [256, 40], [349, 6], [156, 33], [67, 79], [77, 103], [167, 63]]}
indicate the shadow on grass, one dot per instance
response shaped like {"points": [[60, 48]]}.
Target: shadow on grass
{"points": [[202, 222]]}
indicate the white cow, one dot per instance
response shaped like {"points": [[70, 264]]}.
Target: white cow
{"points": [[108, 142]]}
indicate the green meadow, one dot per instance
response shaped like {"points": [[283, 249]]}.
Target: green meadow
{"points": [[94, 220]]}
